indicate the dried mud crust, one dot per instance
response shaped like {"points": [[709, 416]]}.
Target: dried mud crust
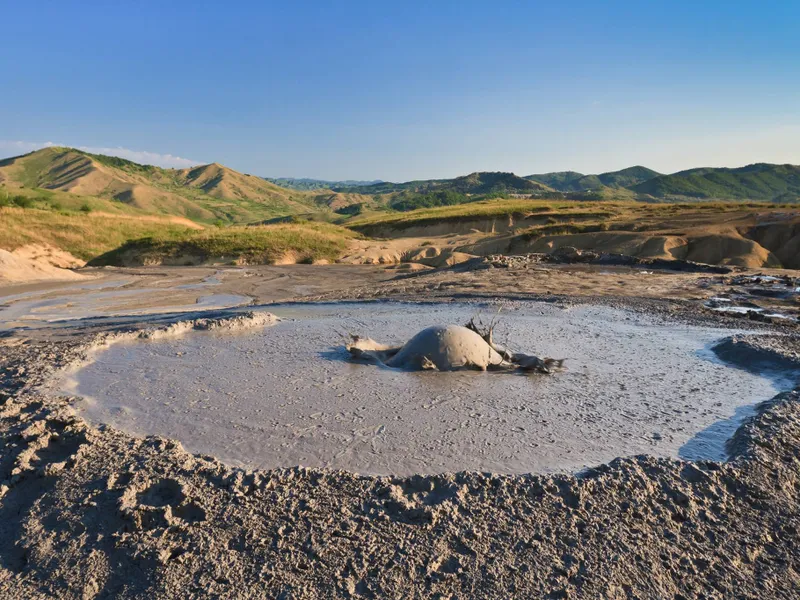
{"points": [[92, 512], [671, 295]]}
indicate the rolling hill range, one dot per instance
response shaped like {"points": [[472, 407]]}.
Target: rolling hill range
{"points": [[761, 181], [206, 193], [61, 200], [86, 204], [213, 192], [474, 184], [307, 184]]}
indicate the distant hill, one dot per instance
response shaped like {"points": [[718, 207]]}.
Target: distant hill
{"points": [[571, 181], [761, 181], [558, 180], [205, 193], [317, 184], [475, 183]]}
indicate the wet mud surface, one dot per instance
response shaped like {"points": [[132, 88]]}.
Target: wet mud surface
{"points": [[288, 395], [92, 512], [109, 298]]}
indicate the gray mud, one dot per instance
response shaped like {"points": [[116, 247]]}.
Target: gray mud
{"points": [[287, 395], [92, 512], [63, 307]]}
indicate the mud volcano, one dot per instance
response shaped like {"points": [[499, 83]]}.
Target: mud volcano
{"points": [[450, 348], [290, 394]]}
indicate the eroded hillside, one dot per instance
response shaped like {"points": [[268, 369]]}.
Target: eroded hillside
{"points": [[728, 234]]}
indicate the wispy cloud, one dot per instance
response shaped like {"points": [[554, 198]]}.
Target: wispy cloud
{"points": [[15, 147]]}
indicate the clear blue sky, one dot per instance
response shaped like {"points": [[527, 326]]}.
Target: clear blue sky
{"points": [[405, 90]]}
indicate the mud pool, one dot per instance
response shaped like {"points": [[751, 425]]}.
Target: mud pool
{"points": [[288, 395]]}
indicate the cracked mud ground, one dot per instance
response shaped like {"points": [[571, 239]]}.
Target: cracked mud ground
{"points": [[90, 512]]}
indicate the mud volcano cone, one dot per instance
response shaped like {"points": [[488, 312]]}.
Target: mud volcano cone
{"points": [[446, 348]]}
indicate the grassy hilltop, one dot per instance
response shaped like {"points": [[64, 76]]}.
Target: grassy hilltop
{"points": [[206, 193]]}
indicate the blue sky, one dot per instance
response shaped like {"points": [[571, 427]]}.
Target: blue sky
{"points": [[406, 90]]}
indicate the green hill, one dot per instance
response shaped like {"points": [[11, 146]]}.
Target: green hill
{"points": [[306, 184], [761, 181], [571, 181], [479, 183], [558, 180]]}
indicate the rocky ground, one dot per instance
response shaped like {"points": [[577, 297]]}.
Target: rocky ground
{"points": [[90, 512]]}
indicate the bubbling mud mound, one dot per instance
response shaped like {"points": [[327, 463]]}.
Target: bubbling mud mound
{"points": [[290, 395], [441, 348], [450, 348]]}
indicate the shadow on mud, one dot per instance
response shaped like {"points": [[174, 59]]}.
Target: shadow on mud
{"points": [[712, 442]]}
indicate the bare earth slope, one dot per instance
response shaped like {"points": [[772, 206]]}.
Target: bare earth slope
{"points": [[35, 262], [727, 234]]}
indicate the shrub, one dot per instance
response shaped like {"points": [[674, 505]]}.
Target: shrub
{"points": [[351, 209], [22, 201], [439, 198]]}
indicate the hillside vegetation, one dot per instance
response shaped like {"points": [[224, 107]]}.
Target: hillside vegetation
{"points": [[779, 183], [266, 244], [758, 182], [442, 192], [631, 211], [762, 182], [474, 183], [571, 181], [206, 193], [466, 212], [106, 239], [306, 184], [82, 235]]}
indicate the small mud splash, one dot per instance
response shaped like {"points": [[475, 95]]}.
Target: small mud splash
{"points": [[289, 395]]}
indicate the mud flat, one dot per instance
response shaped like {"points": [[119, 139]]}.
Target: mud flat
{"points": [[287, 395], [89, 511]]}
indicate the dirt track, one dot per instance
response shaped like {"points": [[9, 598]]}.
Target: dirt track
{"points": [[92, 512]]}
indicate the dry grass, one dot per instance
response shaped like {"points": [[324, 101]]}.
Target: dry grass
{"points": [[559, 210], [92, 235], [82, 235], [265, 244]]}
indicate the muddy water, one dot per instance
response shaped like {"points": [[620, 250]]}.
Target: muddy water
{"points": [[287, 395]]}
